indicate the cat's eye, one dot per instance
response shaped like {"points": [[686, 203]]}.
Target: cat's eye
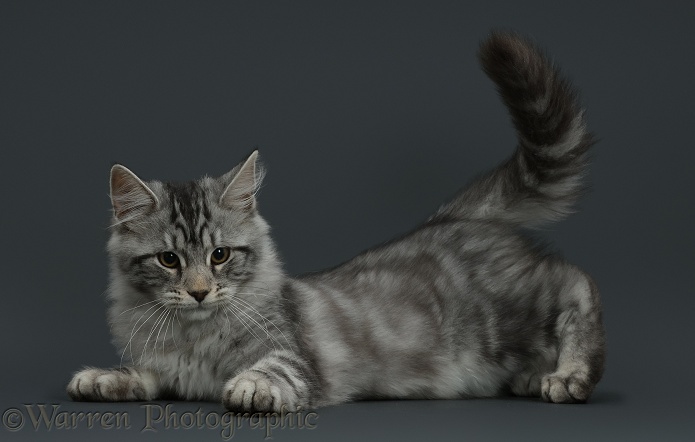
{"points": [[168, 259], [219, 255]]}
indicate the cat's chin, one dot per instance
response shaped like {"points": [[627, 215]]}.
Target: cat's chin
{"points": [[196, 314]]}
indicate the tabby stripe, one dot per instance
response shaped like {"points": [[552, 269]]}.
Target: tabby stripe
{"points": [[179, 226], [201, 232], [292, 362], [173, 216], [276, 376], [139, 259], [288, 301], [206, 211], [280, 371]]}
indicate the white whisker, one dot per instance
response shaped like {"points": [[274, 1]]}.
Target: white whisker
{"points": [[251, 307], [144, 348], [169, 323], [230, 308], [137, 306], [129, 344], [154, 346]]}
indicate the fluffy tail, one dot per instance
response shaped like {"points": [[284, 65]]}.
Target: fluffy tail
{"points": [[543, 179]]}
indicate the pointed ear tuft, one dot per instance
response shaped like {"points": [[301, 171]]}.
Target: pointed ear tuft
{"points": [[240, 194], [130, 197]]}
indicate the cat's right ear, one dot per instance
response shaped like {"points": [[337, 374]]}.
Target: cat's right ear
{"points": [[240, 193], [130, 196]]}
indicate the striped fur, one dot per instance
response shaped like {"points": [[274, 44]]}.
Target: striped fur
{"points": [[463, 306], [542, 180]]}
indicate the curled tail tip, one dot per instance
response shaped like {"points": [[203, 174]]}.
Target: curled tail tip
{"points": [[543, 104], [509, 53], [523, 72], [503, 42], [543, 179]]}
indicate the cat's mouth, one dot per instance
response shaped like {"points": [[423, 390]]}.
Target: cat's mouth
{"points": [[197, 311], [200, 310]]}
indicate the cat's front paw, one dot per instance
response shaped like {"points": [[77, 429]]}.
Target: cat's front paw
{"points": [[254, 391], [94, 384]]}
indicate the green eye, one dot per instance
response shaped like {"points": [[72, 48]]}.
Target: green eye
{"points": [[168, 259], [219, 255]]}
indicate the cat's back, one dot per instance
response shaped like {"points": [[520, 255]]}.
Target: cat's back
{"points": [[441, 255], [410, 309]]}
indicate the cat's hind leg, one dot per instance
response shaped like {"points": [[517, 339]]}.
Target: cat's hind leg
{"points": [[111, 385], [581, 345], [527, 383]]}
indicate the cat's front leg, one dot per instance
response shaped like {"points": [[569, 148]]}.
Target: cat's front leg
{"points": [[115, 384], [278, 380]]}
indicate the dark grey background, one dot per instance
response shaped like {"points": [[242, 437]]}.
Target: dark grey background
{"points": [[368, 116]]}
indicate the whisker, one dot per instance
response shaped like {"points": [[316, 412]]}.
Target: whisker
{"points": [[137, 306], [142, 315], [246, 326], [154, 346], [229, 322], [263, 289], [178, 319], [254, 294], [231, 292], [169, 323], [144, 348], [251, 307], [297, 365], [263, 327], [173, 334], [130, 341], [249, 288], [233, 310]]}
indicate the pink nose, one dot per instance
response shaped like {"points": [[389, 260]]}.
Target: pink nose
{"points": [[200, 295]]}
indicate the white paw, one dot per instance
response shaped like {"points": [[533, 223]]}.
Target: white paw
{"points": [[94, 384], [565, 389], [253, 391]]}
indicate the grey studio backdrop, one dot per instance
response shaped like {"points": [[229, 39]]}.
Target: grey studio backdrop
{"points": [[368, 115]]}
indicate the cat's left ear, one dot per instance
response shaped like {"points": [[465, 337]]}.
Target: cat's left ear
{"points": [[130, 196], [240, 194]]}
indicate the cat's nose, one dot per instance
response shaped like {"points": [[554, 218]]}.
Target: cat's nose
{"points": [[199, 295]]}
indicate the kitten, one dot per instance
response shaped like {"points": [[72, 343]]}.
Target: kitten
{"points": [[463, 306]]}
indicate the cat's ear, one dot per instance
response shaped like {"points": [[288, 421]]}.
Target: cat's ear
{"points": [[240, 193], [130, 197]]}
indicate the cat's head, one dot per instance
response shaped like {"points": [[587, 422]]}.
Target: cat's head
{"points": [[189, 246]]}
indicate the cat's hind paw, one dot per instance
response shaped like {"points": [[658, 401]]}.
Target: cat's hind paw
{"points": [[565, 389]]}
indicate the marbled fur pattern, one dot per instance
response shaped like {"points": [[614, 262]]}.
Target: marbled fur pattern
{"points": [[463, 306]]}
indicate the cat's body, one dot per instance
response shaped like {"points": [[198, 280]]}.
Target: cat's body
{"points": [[463, 306]]}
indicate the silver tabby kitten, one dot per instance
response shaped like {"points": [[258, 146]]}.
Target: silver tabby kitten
{"points": [[463, 306]]}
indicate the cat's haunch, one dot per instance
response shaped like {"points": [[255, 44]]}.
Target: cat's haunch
{"points": [[462, 306]]}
